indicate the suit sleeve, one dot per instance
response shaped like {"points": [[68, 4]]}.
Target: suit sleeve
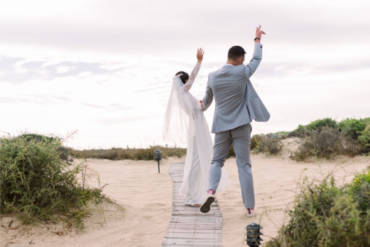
{"points": [[208, 97], [251, 67]]}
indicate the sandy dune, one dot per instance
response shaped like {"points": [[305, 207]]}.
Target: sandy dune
{"points": [[145, 196]]}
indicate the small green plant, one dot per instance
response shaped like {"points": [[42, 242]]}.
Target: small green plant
{"points": [[35, 183]]}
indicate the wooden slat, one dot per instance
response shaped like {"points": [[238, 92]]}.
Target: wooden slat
{"points": [[188, 226]]}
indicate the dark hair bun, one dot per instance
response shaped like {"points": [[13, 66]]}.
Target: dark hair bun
{"points": [[183, 76]]}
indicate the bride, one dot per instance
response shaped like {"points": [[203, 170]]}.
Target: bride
{"points": [[185, 122]]}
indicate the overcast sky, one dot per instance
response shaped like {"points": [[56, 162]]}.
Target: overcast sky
{"points": [[103, 69]]}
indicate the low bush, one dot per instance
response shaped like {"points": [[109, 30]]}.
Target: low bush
{"points": [[36, 184], [318, 125], [360, 190], [364, 139], [352, 127], [315, 126], [64, 152], [322, 144], [128, 153], [270, 144], [325, 139], [327, 215]]}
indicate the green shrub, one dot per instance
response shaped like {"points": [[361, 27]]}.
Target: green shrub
{"points": [[37, 138], [364, 139], [318, 125], [64, 152], [352, 127], [315, 126], [35, 183], [327, 215], [360, 190]]}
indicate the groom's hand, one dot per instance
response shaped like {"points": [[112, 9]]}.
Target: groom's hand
{"points": [[259, 33]]}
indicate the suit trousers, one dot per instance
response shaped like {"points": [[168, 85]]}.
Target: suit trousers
{"points": [[240, 139]]}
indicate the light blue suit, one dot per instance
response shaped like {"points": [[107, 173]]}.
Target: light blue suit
{"points": [[237, 104]]}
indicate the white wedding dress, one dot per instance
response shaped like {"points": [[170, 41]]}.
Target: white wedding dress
{"points": [[185, 121]]}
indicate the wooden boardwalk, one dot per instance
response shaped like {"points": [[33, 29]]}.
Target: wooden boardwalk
{"points": [[188, 226]]}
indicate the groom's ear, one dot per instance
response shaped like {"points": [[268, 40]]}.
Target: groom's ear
{"points": [[242, 60]]}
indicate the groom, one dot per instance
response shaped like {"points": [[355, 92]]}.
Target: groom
{"points": [[237, 104]]}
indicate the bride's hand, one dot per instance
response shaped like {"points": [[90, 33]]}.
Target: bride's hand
{"points": [[200, 54]]}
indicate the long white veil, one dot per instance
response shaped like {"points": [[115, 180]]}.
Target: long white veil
{"points": [[176, 124]]}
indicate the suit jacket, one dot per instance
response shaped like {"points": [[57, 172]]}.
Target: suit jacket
{"points": [[237, 102]]}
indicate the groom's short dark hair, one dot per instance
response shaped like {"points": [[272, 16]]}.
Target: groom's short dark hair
{"points": [[235, 52]]}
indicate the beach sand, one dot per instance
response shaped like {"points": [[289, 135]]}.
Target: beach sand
{"points": [[143, 202]]}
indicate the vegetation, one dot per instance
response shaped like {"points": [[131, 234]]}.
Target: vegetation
{"points": [[326, 138], [128, 153], [64, 152], [315, 126], [323, 138], [270, 144], [364, 139], [36, 184], [328, 215]]}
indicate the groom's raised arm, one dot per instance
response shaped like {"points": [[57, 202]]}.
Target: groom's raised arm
{"points": [[252, 66]]}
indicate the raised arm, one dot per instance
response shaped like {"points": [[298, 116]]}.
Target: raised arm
{"points": [[251, 67], [195, 71]]}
